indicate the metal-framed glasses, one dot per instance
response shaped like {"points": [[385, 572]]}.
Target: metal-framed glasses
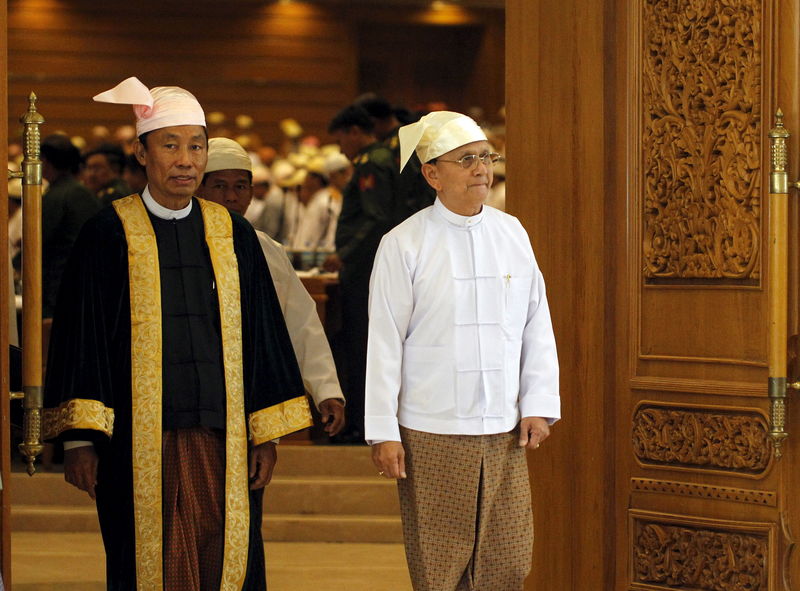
{"points": [[471, 160]]}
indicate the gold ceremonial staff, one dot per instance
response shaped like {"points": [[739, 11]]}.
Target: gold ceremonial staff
{"points": [[31, 175], [779, 186]]}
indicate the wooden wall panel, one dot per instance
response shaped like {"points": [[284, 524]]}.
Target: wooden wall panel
{"points": [[269, 60], [557, 183], [266, 60]]}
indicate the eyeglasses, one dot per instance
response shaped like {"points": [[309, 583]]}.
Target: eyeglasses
{"points": [[471, 160]]}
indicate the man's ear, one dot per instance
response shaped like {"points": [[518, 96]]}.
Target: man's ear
{"points": [[431, 174], [139, 151]]}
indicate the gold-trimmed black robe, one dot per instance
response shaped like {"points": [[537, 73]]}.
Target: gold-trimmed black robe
{"points": [[104, 382]]}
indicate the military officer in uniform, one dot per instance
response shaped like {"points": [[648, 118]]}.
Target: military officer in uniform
{"points": [[413, 192], [368, 204]]}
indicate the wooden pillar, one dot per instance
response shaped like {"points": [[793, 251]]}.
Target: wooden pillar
{"points": [[558, 129]]}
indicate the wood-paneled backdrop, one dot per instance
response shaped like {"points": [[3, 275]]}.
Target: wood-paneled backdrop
{"points": [[638, 162], [268, 60]]}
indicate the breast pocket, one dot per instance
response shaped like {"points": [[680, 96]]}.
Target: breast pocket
{"points": [[428, 375], [517, 293]]}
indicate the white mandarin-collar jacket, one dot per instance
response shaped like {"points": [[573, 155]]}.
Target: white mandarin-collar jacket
{"points": [[460, 338]]}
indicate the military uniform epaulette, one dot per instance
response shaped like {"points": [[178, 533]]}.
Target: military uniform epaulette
{"points": [[379, 154]]}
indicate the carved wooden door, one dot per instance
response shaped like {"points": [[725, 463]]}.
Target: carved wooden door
{"points": [[705, 504]]}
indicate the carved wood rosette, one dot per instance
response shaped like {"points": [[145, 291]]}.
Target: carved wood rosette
{"points": [[701, 85], [700, 554], [723, 440]]}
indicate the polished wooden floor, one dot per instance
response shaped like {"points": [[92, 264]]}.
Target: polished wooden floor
{"points": [[74, 562]]}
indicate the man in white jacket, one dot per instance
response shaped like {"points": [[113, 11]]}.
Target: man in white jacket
{"points": [[228, 181], [462, 372]]}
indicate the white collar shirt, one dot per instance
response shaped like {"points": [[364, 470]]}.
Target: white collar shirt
{"points": [[162, 212], [460, 337]]}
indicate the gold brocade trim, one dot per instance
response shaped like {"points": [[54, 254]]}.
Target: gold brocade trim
{"points": [[279, 420], [77, 413], [219, 237], [146, 380]]}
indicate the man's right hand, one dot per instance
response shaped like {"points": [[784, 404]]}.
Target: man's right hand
{"points": [[390, 459], [80, 468], [332, 264]]}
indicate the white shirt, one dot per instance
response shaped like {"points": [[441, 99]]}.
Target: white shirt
{"points": [[254, 211], [460, 337], [293, 211], [271, 214], [316, 229], [305, 329]]}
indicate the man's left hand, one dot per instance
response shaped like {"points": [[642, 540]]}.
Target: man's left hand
{"points": [[532, 431], [262, 462], [332, 411]]}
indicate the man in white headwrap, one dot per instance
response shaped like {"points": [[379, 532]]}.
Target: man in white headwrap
{"points": [[316, 229], [462, 372], [170, 370], [228, 181]]}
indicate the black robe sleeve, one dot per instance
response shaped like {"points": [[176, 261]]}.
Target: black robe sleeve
{"points": [[88, 369]]}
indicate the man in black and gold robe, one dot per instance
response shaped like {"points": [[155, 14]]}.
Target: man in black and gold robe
{"points": [[170, 370]]}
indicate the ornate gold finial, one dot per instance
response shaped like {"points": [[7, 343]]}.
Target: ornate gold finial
{"points": [[778, 422], [779, 180], [32, 116]]}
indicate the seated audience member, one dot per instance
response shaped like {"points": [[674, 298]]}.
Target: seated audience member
{"points": [[261, 186], [134, 174], [340, 169], [102, 173], [497, 193], [316, 228]]}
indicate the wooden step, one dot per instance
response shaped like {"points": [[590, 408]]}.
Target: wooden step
{"points": [[291, 494], [332, 528], [54, 518], [318, 494], [315, 495], [325, 460], [276, 527]]}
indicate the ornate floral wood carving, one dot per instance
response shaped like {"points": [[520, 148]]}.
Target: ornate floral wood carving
{"points": [[705, 491], [701, 108], [696, 438], [673, 556]]}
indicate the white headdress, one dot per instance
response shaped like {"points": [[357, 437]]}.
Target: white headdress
{"points": [[156, 108], [437, 133]]}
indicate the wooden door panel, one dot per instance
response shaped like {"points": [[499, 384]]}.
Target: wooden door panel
{"points": [[676, 326], [705, 506], [658, 286]]}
